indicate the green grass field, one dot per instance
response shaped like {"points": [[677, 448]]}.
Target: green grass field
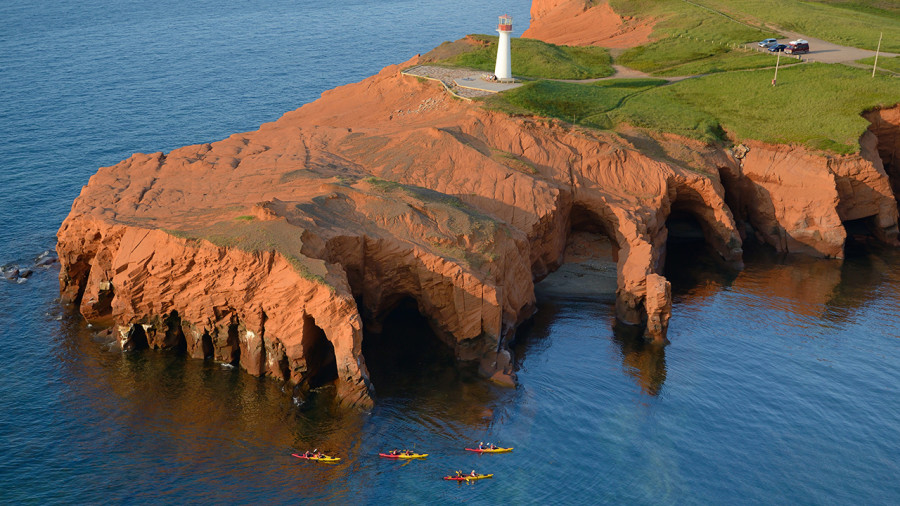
{"points": [[689, 34], [886, 8], [846, 22], [887, 63], [816, 105], [849, 23], [700, 36], [533, 58], [584, 104]]}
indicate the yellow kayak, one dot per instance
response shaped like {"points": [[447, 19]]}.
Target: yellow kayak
{"points": [[323, 458], [403, 456], [488, 450], [468, 478]]}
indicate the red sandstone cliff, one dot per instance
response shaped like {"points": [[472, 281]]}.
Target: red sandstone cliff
{"points": [[265, 248], [584, 23]]}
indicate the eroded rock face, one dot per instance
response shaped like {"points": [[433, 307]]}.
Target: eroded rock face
{"points": [[798, 201], [253, 249], [584, 23], [886, 131]]}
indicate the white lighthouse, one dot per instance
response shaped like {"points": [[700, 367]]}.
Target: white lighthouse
{"points": [[503, 69]]}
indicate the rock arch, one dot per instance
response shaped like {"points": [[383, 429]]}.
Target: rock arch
{"points": [[686, 204]]}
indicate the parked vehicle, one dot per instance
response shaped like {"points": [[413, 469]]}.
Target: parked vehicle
{"points": [[777, 48], [767, 42], [798, 46]]}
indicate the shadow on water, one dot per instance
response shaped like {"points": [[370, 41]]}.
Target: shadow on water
{"points": [[407, 359], [866, 266], [808, 287], [533, 335]]}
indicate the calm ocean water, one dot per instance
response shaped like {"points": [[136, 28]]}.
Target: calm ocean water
{"points": [[780, 385]]}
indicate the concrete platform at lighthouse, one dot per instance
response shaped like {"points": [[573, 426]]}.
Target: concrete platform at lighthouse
{"points": [[466, 83], [477, 83]]}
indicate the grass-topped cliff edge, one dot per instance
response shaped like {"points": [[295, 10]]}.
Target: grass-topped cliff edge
{"points": [[729, 95], [816, 105]]}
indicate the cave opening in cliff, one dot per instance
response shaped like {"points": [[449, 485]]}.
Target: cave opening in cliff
{"points": [[137, 339], [861, 236], [206, 346], [588, 269], [321, 363], [406, 354], [887, 137], [174, 339], [230, 350], [687, 259]]}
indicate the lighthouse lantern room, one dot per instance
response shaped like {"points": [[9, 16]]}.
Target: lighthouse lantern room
{"points": [[503, 69]]}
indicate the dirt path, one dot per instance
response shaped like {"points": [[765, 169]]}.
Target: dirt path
{"points": [[623, 72]]}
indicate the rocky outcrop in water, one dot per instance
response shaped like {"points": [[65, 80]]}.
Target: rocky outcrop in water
{"points": [[275, 249], [16, 273]]}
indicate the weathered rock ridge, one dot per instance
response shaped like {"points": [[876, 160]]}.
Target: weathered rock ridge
{"points": [[270, 248]]}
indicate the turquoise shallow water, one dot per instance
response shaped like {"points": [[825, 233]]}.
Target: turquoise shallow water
{"points": [[780, 385]]}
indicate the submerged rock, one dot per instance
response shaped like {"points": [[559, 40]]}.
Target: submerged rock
{"points": [[10, 273], [46, 259]]}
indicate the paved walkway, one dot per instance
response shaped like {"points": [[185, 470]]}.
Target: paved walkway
{"points": [[464, 83]]}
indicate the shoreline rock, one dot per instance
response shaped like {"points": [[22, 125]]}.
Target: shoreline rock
{"points": [[259, 248]]}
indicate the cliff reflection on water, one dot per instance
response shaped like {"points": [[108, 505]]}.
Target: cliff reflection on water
{"points": [[804, 291], [787, 342], [809, 288]]}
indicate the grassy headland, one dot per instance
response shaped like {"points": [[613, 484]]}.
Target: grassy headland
{"points": [[816, 105], [531, 58]]}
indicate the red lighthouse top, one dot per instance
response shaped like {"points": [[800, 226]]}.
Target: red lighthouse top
{"points": [[505, 23]]}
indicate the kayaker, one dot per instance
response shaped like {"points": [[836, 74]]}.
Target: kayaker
{"points": [[481, 445], [473, 473], [459, 474]]}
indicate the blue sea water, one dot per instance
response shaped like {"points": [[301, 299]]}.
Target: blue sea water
{"points": [[780, 385]]}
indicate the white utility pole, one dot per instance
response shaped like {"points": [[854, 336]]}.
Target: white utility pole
{"points": [[876, 54], [777, 60]]}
